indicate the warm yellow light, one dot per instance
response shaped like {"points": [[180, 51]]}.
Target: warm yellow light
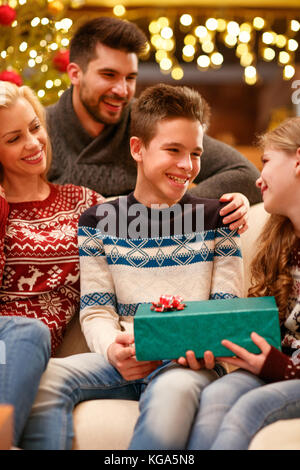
{"points": [[201, 32], [246, 27], [160, 54], [35, 22], [221, 25], [208, 47], [288, 72], [53, 46], [44, 68], [163, 21], [65, 42], [190, 39], [244, 36], [33, 54], [203, 61], [217, 58], [31, 63], [154, 27], [230, 40], [165, 64], [250, 71], [45, 21], [233, 28], [250, 80], [23, 46], [188, 50], [269, 37], [246, 59], [49, 84], [268, 54], [166, 32], [43, 43], [57, 82], [295, 25], [186, 20], [119, 10], [3, 54], [177, 73], [41, 93], [284, 57], [258, 22], [211, 24], [241, 49], [280, 40], [292, 45]]}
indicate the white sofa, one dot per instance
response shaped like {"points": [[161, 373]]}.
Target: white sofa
{"points": [[108, 424]]}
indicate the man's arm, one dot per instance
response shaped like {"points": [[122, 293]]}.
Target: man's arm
{"points": [[225, 170]]}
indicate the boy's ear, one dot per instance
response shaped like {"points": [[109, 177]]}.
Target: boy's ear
{"points": [[297, 164], [74, 72], [136, 148]]}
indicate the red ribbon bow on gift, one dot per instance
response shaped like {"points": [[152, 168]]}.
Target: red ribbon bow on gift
{"points": [[168, 303]]}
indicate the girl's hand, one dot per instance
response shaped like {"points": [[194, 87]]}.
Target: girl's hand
{"points": [[192, 362], [246, 360], [238, 203]]}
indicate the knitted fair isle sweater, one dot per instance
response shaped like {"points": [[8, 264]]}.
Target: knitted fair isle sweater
{"points": [[279, 366], [119, 272], [39, 263], [104, 163]]}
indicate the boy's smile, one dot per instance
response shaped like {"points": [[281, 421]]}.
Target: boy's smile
{"points": [[169, 163]]}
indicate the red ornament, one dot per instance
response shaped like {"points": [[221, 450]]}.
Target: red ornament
{"points": [[11, 76], [7, 15], [61, 60]]}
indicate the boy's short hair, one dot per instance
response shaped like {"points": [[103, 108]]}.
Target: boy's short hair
{"points": [[112, 32], [162, 101]]}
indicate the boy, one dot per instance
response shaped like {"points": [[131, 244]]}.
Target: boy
{"points": [[132, 251]]}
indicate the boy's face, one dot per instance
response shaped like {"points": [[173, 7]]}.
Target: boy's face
{"points": [[169, 163]]}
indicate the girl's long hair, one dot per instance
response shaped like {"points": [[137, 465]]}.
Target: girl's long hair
{"points": [[270, 269]]}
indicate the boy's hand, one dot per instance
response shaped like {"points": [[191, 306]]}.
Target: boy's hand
{"points": [[251, 362], [238, 219], [192, 362], [121, 355]]}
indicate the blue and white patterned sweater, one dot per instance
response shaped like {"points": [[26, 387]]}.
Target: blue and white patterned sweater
{"points": [[119, 272]]}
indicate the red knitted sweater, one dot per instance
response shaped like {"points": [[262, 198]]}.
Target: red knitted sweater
{"points": [[39, 262]]}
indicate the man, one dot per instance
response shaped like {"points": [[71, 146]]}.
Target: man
{"points": [[89, 125]]}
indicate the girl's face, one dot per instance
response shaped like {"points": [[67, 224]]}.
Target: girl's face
{"points": [[278, 181], [23, 141]]}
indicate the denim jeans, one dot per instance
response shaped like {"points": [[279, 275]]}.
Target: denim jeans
{"points": [[169, 398], [255, 410], [216, 402], [25, 351]]}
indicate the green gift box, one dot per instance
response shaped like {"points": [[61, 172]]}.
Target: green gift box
{"points": [[202, 325]]}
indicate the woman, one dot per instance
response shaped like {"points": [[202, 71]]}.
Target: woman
{"points": [[39, 264], [233, 410]]}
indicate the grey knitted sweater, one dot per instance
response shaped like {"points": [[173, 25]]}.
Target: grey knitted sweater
{"points": [[105, 165]]}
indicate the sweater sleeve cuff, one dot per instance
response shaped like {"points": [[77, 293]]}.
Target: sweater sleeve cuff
{"points": [[274, 366], [4, 210]]}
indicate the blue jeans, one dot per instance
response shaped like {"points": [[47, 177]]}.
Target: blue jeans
{"points": [[25, 351], [169, 398], [217, 400]]}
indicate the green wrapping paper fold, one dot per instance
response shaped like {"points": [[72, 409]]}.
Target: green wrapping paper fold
{"points": [[202, 325]]}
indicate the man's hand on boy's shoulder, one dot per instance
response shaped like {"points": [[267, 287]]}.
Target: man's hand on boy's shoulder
{"points": [[238, 210], [121, 355], [190, 360]]}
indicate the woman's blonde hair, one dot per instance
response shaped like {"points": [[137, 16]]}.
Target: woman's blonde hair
{"points": [[9, 94], [270, 269]]}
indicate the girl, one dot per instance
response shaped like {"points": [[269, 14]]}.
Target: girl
{"points": [[39, 263], [235, 408]]}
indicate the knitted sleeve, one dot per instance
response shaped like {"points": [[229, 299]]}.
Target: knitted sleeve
{"points": [[4, 210], [225, 170], [98, 316], [228, 273], [278, 366]]}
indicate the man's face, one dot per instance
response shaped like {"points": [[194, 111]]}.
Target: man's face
{"points": [[108, 84]]}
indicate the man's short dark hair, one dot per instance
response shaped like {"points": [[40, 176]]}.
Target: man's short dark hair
{"points": [[112, 32], [161, 102]]}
